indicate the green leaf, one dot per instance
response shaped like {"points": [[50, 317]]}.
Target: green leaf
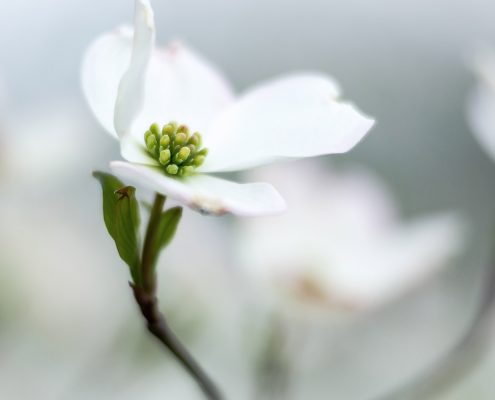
{"points": [[168, 225], [169, 220], [127, 225], [109, 185], [121, 216]]}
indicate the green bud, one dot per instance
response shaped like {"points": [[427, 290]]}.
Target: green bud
{"points": [[164, 157], [180, 138], [155, 129], [151, 143], [195, 139], [198, 160], [187, 170], [178, 152], [169, 129], [164, 141], [184, 129], [183, 154], [172, 169]]}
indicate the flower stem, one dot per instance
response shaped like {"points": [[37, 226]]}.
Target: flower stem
{"points": [[148, 276], [145, 295], [159, 328], [274, 373]]}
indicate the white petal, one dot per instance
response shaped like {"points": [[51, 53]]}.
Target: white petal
{"points": [[291, 117], [130, 95], [104, 64], [180, 86], [481, 116], [403, 259], [206, 194], [113, 78]]}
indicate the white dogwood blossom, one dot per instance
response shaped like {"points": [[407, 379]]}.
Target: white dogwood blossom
{"points": [[132, 86], [345, 249]]}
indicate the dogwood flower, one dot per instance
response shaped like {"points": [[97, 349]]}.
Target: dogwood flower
{"points": [[481, 104], [345, 249], [165, 104]]}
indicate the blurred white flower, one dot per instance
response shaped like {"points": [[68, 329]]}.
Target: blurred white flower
{"points": [[130, 84], [481, 103], [344, 249]]}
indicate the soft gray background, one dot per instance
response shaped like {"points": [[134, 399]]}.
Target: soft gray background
{"points": [[404, 62]]}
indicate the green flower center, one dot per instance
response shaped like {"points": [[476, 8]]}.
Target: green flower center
{"points": [[178, 151]]}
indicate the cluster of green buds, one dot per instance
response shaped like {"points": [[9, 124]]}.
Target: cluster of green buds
{"points": [[178, 151]]}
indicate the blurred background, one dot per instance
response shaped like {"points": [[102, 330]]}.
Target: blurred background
{"points": [[68, 325]]}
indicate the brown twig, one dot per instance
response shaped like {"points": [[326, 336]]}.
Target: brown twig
{"points": [[159, 328], [145, 295]]}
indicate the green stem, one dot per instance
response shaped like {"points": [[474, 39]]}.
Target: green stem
{"points": [[145, 296], [147, 266], [274, 372]]}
